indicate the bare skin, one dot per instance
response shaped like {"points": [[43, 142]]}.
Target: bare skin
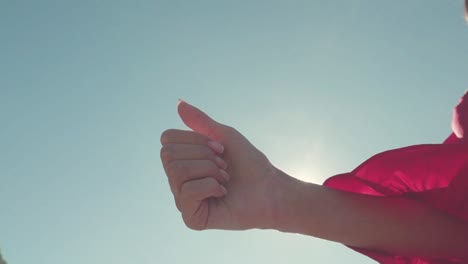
{"points": [[245, 191]]}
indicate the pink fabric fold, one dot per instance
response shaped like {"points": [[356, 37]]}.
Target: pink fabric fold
{"points": [[436, 174]]}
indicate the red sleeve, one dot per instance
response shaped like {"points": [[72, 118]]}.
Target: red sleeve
{"points": [[434, 174]]}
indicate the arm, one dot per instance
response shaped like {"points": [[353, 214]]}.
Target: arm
{"points": [[395, 225], [221, 181]]}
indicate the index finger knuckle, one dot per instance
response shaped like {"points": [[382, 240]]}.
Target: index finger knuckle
{"points": [[167, 135]]}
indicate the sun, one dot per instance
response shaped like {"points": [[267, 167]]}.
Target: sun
{"points": [[306, 169]]}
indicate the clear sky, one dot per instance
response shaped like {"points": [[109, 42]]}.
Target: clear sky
{"points": [[87, 87]]}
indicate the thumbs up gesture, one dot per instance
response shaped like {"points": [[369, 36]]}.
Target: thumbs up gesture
{"points": [[218, 178]]}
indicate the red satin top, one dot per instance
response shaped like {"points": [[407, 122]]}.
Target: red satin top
{"points": [[436, 174]]}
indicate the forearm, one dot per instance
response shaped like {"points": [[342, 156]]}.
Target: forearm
{"points": [[395, 225]]}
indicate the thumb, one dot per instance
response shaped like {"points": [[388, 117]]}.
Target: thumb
{"points": [[199, 122]]}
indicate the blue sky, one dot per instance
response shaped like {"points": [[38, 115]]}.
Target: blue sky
{"points": [[87, 87]]}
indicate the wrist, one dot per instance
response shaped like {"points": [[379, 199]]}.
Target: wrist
{"points": [[289, 195]]}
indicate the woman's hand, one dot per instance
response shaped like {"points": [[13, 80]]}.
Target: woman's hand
{"points": [[255, 194], [218, 178]]}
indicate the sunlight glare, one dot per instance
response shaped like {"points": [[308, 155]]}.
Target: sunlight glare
{"points": [[306, 169]]}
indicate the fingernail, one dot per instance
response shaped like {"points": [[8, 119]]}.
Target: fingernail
{"points": [[224, 190], [224, 174], [217, 147], [221, 163]]}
